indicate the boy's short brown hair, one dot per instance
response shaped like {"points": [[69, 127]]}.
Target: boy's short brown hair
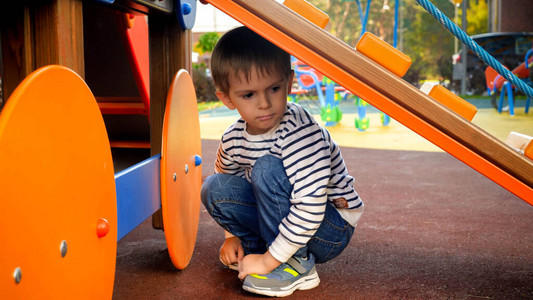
{"points": [[241, 49]]}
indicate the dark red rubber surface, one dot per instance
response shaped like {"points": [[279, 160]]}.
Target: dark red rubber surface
{"points": [[432, 229]]}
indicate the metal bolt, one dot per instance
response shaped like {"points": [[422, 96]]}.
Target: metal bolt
{"points": [[186, 168], [63, 248], [17, 275], [175, 177]]}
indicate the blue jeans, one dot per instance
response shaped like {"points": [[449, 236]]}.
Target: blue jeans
{"points": [[253, 211]]}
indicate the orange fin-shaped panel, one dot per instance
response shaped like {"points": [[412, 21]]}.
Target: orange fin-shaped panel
{"points": [[181, 172], [59, 209]]}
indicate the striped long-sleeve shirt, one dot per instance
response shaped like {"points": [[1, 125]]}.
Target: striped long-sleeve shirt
{"points": [[314, 167]]}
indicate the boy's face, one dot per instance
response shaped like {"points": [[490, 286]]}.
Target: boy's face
{"points": [[261, 100]]}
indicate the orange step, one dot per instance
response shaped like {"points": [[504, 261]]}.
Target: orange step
{"points": [[384, 54], [457, 104], [308, 11]]}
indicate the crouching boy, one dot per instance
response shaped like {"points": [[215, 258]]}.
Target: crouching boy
{"points": [[281, 190]]}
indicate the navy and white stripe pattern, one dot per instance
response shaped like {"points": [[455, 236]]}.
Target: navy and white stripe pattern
{"points": [[313, 164]]}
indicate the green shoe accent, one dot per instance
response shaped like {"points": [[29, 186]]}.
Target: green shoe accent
{"points": [[295, 274]]}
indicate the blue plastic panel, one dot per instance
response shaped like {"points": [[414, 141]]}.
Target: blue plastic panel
{"points": [[138, 194], [186, 13]]}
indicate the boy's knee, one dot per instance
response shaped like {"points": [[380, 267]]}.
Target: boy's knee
{"points": [[267, 167], [210, 184]]}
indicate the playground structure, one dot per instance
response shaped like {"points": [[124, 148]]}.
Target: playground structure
{"points": [[369, 80], [495, 83], [91, 210], [21, 137], [328, 91], [56, 167], [127, 101]]}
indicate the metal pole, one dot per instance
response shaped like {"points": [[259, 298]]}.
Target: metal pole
{"points": [[464, 52]]}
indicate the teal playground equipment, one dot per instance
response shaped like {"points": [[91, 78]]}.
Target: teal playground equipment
{"points": [[329, 93], [362, 122]]}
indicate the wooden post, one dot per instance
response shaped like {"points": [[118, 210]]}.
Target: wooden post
{"points": [[17, 59], [39, 33], [170, 51]]}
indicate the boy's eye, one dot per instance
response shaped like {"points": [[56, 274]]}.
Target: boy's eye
{"points": [[248, 95], [276, 89]]}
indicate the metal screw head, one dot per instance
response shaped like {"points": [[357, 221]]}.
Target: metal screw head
{"points": [[17, 275], [175, 177], [186, 168], [63, 248]]}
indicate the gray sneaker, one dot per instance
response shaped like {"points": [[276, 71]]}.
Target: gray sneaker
{"points": [[296, 274]]}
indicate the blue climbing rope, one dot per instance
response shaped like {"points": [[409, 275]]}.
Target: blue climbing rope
{"points": [[480, 52]]}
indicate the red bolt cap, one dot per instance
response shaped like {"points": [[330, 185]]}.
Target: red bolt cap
{"points": [[102, 227]]}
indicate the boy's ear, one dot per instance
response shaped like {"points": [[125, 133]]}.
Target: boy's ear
{"points": [[225, 99], [291, 78]]}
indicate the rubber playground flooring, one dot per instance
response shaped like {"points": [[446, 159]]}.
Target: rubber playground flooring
{"points": [[433, 228]]}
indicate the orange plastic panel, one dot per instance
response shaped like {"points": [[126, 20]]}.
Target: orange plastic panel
{"points": [[384, 54], [308, 11], [56, 184], [137, 45], [181, 179], [453, 102]]}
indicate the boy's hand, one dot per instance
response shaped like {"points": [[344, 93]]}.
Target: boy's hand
{"points": [[257, 264], [231, 251]]}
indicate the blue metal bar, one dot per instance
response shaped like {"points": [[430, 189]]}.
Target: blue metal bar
{"points": [[396, 10], [138, 194], [366, 16], [478, 50], [361, 17]]}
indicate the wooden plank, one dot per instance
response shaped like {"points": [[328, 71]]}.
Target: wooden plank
{"points": [[393, 87]]}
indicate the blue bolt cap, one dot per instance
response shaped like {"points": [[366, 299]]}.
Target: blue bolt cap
{"points": [[186, 12], [186, 8], [197, 160]]}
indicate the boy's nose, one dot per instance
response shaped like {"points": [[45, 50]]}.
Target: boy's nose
{"points": [[264, 102]]}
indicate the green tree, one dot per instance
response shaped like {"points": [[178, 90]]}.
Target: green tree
{"points": [[206, 42], [476, 16], [203, 84], [345, 19], [428, 43]]}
